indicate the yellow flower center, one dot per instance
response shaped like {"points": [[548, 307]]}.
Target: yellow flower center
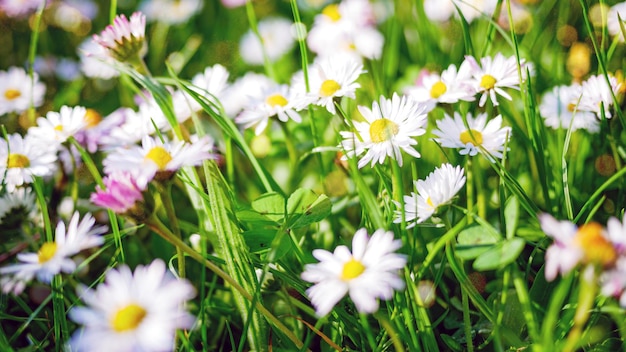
{"points": [[571, 107], [597, 248], [92, 118], [383, 130], [488, 82], [472, 136], [128, 318], [438, 89], [352, 269], [332, 12], [11, 94], [329, 87], [429, 201], [159, 156], [58, 128], [18, 161], [46, 252], [276, 100]]}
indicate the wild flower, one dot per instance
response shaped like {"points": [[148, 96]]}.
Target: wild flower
{"points": [[17, 91]]}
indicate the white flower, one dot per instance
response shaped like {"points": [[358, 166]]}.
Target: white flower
{"points": [[19, 8], [388, 129], [559, 108], [26, 159], [57, 127], [129, 127], [138, 311], [613, 281], [493, 74], [597, 95], [155, 158], [277, 41], [617, 12], [124, 39], [358, 43], [17, 206], [211, 84], [244, 91], [616, 232], [95, 61], [482, 137], [54, 257], [170, 11], [449, 87], [438, 189], [17, 91], [442, 10], [368, 273]]}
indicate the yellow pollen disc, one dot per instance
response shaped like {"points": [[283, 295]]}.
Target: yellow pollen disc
{"points": [[128, 318], [571, 107], [332, 12], [488, 82], [46, 252], [92, 118], [383, 130], [475, 137], [329, 87], [352, 269], [18, 160], [429, 201], [276, 100], [58, 128], [597, 248], [11, 94], [159, 156], [438, 89]]}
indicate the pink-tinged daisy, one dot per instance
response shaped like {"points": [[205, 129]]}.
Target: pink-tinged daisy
{"points": [[277, 39], [121, 193], [97, 128], [54, 257], [388, 129], [494, 74], [19, 8], [22, 158], [124, 39], [449, 87], [597, 95], [587, 244], [483, 137], [560, 109], [438, 189], [613, 281], [133, 311], [17, 91], [277, 100], [367, 273], [157, 159], [616, 232], [57, 127]]}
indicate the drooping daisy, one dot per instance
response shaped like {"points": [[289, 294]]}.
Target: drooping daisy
{"points": [[560, 109], [17, 92], [437, 190], [155, 158], [170, 11], [16, 207], [54, 257], [494, 74], [57, 127], [617, 12], [121, 193], [481, 137], [22, 158], [95, 60], [597, 95], [277, 100], [124, 39], [133, 311], [367, 273], [449, 87], [388, 129], [277, 41]]}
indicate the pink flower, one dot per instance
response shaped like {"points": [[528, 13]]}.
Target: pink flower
{"points": [[124, 39], [121, 193]]}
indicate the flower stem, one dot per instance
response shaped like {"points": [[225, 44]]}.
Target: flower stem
{"points": [[586, 298], [168, 204]]}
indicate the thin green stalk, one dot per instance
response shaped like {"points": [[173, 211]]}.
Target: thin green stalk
{"points": [[526, 302], [469, 187], [393, 336], [438, 246], [269, 69], [586, 298], [467, 323], [367, 329], [112, 11], [32, 51], [168, 204]]}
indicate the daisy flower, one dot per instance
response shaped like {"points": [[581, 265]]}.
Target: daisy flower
{"points": [[442, 11], [121, 193], [613, 25], [22, 158], [16, 207], [613, 281], [276, 100], [449, 87], [482, 137], [57, 127], [388, 129], [19, 8], [95, 60], [244, 91], [559, 108], [492, 75], [133, 311], [157, 159], [54, 257], [124, 39], [17, 91], [597, 95], [277, 41], [438, 189], [211, 84], [170, 11], [369, 272]]}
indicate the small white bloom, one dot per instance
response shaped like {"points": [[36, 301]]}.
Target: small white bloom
{"points": [[138, 311], [22, 158], [493, 74], [388, 129], [95, 61], [17, 92], [597, 95], [244, 91], [368, 273], [57, 127], [211, 84], [170, 11], [442, 10], [617, 12], [17, 206], [438, 189], [482, 137], [449, 87], [277, 41], [559, 108]]}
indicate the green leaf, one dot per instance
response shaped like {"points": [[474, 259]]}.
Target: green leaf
{"points": [[259, 240], [305, 207], [271, 205], [500, 255], [475, 240], [511, 216]]}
